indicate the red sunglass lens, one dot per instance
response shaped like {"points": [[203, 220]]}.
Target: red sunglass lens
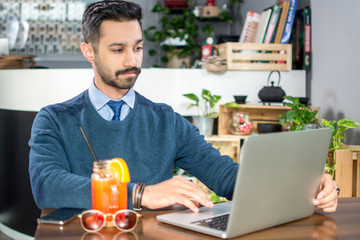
{"points": [[92, 221], [125, 220]]}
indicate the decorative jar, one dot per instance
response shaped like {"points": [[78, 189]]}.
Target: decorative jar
{"points": [[240, 123]]}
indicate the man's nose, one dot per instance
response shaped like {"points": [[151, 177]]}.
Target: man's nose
{"points": [[130, 59]]}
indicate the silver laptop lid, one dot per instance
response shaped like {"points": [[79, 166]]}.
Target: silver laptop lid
{"points": [[278, 178]]}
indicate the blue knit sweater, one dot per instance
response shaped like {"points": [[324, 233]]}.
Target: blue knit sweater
{"points": [[151, 139]]}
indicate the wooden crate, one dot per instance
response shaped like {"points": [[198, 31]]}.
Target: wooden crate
{"points": [[257, 113], [227, 145], [264, 57], [347, 173], [16, 61]]}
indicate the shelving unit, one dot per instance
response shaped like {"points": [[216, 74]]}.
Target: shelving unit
{"points": [[257, 113], [229, 144]]}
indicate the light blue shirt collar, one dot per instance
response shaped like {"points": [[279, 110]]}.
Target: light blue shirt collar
{"points": [[99, 101]]}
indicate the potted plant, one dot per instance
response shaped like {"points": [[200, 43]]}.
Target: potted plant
{"points": [[206, 110], [338, 128], [177, 36], [299, 117]]}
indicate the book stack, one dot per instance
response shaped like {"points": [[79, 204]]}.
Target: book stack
{"points": [[282, 23], [301, 39], [273, 25], [250, 27]]}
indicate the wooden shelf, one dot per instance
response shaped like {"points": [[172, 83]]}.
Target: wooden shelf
{"points": [[257, 113], [227, 145]]}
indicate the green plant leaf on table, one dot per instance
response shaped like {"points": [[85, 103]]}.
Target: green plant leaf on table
{"points": [[299, 114], [337, 136], [210, 101], [233, 104]]}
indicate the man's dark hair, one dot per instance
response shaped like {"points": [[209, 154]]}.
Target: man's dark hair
{"points": [[115, 10]]}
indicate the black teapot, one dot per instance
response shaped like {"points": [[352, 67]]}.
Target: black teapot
{"points": [[272, 93]]}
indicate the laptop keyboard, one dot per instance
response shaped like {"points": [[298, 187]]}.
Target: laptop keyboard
{"points": [[218, 223]]}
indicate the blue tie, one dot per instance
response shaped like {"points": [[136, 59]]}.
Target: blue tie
{"points": [[116, 107]]}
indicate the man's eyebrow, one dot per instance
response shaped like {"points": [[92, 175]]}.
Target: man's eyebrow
{"points": [[121, 44]]}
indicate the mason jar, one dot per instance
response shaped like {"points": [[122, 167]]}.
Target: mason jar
{"points": [[108, 194], [240, 123]]}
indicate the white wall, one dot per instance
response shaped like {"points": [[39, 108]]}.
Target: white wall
{"points": [[335, 84], [30, 90]]}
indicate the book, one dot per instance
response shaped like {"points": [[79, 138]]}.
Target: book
{"points": [[250, 27], [301, 39], [289, 22], [271, 29], [282, 20], [263, 24]]}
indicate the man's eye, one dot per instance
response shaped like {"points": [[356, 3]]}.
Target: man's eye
{"points": [[117, 50], [139, 48]]}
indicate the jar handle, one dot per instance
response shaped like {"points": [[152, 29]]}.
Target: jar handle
{"points": [[270, 76]]}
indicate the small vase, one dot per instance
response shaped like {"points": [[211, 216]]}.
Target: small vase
{"points": [[240, 123], [204, 124]]}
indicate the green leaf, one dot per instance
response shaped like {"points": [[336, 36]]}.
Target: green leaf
{"points": [[157, 8], [192, 96], [325, 122], [348, 123], [206, 95], [212, 115], [289, 104], [192, 105], [215, 198], [152, 52], [164, 59], [214, 100], [290, 98], [234, 105]]}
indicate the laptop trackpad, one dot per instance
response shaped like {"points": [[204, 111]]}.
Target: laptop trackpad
{"points": [[189, 216]]}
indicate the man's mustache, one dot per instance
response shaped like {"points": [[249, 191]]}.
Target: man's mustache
{"points": [[128, 70]]}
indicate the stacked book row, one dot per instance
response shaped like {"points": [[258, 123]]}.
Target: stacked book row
{"points": [[281, 23]]}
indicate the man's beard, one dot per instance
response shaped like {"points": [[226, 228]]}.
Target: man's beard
{"points": [[113, 80]]}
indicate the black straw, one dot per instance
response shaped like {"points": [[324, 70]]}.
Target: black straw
{"points": [[88, 144]]}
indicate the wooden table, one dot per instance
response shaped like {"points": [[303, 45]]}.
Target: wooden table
{"points": [[344, 224]]}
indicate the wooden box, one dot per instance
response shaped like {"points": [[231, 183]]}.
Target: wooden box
{"points": [[229, 145], [347, 173], [257, 113], [16, 61], [254, 56]]}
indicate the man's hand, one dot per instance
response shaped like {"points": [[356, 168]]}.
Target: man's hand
{"points": [[175, 191], [327, 198]]}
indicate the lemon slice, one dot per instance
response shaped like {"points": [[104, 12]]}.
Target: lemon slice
{"points": [[119, 169]]}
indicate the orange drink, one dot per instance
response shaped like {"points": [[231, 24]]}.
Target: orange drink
{"points": [[109, 186], [108, 195]]}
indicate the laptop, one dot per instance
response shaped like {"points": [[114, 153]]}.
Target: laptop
{"points": [[278, 178]]}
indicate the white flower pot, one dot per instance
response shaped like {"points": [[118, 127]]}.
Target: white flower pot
{"points": [[204, 124]]}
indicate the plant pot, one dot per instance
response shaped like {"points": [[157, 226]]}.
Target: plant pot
{"points": [[268, 127], [311, 126], [178, 62], [204, 124]]}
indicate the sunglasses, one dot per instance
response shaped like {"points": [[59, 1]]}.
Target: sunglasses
{"points": [[94, 220]]}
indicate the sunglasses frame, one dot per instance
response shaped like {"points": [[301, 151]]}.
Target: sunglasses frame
{"points": [[105, 215]]}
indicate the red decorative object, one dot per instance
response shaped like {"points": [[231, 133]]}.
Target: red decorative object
{"points": [[175, 4], [210, 3]]}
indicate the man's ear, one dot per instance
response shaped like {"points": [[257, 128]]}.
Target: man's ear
{"points": [[87, 51]]}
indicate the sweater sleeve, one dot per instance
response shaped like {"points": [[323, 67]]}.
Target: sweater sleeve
{"points": [[53, 184], [203, 161]]}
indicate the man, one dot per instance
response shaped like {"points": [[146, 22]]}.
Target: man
{"points": [[150, 137]]}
